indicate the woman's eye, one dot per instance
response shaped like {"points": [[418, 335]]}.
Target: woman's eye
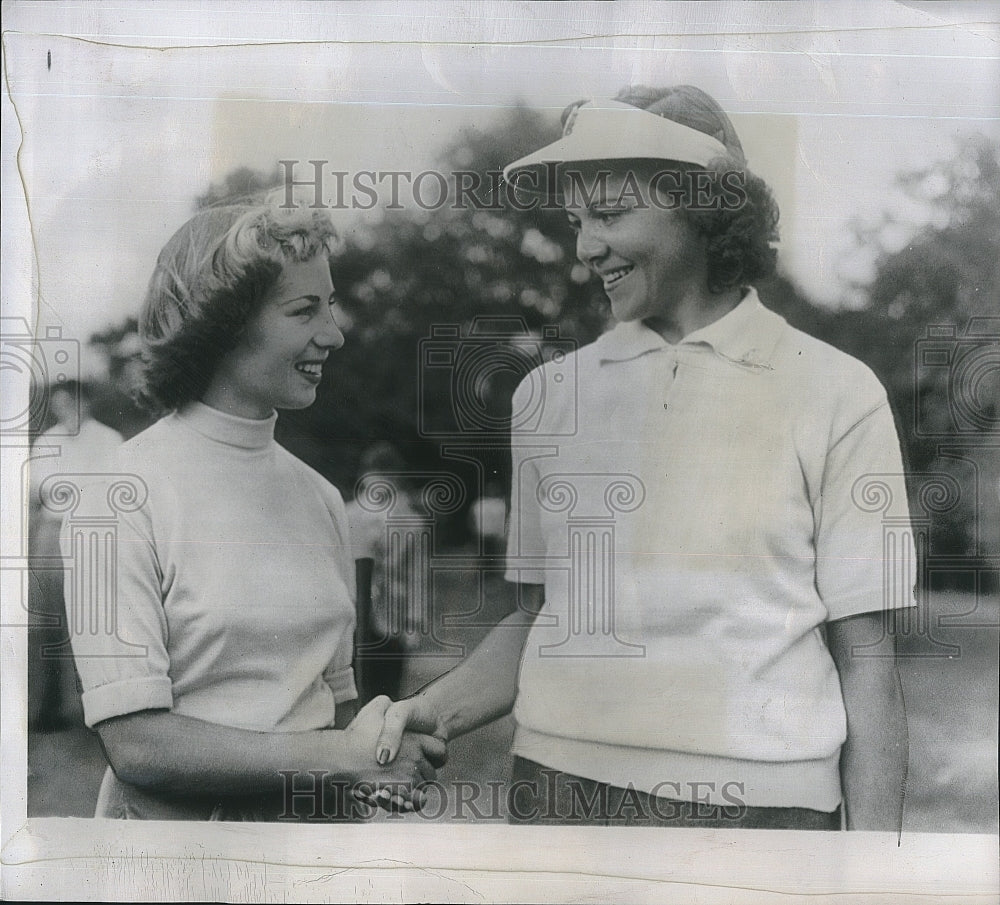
{"points": [[609, 216]]}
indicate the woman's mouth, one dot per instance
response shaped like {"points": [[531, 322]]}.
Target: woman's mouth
{"points": [[613, 277], [311, 370]]}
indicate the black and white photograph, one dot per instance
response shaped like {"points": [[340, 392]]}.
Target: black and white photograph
{"points": [[504, 451]]}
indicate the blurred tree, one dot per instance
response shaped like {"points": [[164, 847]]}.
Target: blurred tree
{"points": [[113, 398], [930, 330], [242, 184], [949, 271]]}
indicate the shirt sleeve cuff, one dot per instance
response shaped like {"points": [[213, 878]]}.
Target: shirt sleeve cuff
{"points": [[341, 682], [845, 605], [129, 696]]}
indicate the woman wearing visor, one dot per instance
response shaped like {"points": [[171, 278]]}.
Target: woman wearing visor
{"points": [[702, 637]]}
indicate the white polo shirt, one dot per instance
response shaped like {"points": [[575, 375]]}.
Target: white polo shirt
{"points": [[693, 514]]}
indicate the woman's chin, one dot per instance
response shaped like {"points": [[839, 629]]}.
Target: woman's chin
{"points": [[301, 400], [623, 312]]}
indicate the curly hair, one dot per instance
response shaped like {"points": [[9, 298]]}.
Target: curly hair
{"points": [[739, 239], [210, 279]]}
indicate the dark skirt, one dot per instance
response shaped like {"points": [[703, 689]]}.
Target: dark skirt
{"points": [[539, 796]]}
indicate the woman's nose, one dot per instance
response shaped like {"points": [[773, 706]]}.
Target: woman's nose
{"points": [[589, 245], [329, 336]]}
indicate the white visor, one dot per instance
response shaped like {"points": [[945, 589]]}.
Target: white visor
{"points": [[610, 130]]}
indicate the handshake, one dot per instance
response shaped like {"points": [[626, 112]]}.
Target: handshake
{"points": [[397, 746]]}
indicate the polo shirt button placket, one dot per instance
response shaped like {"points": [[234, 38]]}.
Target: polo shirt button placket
{"points": [[673, 377]]}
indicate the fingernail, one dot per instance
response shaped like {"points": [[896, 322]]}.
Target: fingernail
{"points": [[383, 756]]}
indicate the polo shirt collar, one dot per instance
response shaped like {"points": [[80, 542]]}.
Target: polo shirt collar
{"points": [[747, 335]]}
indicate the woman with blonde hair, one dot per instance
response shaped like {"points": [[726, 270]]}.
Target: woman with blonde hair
{"points": [[235, 585]]}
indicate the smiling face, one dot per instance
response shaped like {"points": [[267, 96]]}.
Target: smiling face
{"points": [[649, 258], [278, 362]]}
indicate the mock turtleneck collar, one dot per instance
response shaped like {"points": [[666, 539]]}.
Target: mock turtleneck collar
{"points": [[246, 433]]}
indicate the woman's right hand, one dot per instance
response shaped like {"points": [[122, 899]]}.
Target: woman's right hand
{"points": [[417, 756], [403, 717]]}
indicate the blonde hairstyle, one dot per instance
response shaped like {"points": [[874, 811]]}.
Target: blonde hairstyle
{"points": [[210, 279]]}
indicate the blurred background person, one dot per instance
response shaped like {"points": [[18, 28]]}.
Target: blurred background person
{"points": [[84, 445], [488, 519], [396, 608]]}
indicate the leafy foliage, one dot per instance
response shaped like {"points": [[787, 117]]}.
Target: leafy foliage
{"points": [[242, 184], [939, 294]]}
